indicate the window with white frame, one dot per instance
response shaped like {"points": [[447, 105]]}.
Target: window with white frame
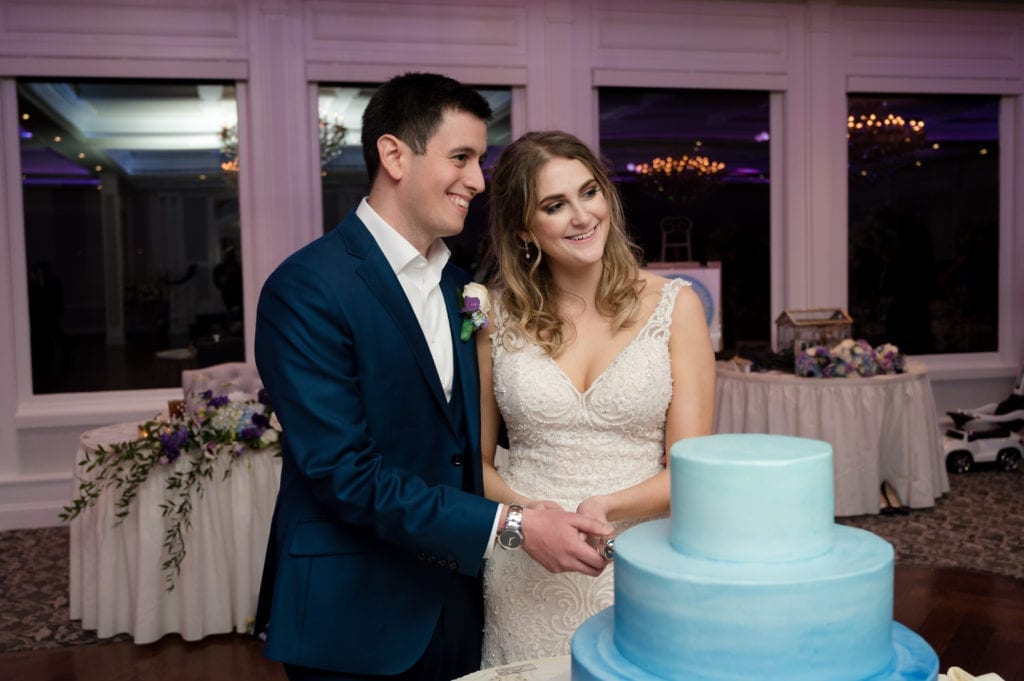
{"points": [[131, 222], [924, 221], [699, 158]]}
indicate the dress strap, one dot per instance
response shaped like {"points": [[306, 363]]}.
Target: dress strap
{"points": [[661, 318]]}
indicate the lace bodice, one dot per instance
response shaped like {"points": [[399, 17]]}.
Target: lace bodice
{"points": [[566, 446]]}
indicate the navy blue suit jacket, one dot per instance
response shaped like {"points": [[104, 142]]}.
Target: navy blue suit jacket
{"points": [[372, 523]]}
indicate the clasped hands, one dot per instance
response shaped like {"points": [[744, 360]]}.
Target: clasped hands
{"points": [[567, 541]]}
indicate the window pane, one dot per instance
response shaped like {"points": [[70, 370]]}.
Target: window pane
{"points": [[131, 232], [682, 136], [344, 172], [924, 221]]}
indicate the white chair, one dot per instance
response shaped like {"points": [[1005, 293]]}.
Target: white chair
{"points": [[222, 379], [675, 238]]}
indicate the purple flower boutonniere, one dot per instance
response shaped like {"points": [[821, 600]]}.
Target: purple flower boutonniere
{"points": [[474, 304]]}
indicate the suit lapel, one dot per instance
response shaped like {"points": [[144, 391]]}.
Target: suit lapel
{"points": [[465, 360], [380, 279]]}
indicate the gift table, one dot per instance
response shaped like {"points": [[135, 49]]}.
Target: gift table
{"points": [[881, 428]]}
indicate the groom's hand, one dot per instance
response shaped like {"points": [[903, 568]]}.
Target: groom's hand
{"points": [[557, 539]]}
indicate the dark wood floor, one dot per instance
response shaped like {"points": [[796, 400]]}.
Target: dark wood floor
{"points": [[974, 621]]}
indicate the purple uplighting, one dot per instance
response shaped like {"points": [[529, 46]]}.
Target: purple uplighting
{"points": [[47, 162], [61, 181]]}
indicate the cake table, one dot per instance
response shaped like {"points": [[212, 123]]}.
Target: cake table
{"points": [[546, 669]]}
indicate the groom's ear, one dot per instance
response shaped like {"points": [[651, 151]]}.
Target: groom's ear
{"points": [[391, 151]]}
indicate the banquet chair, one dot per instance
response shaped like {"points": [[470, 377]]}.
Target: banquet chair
{"points": [[210, 352], [222, 379], [675, 237]]}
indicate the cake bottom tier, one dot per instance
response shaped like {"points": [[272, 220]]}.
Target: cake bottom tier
{"points": [[826, 618], [595, 658]]}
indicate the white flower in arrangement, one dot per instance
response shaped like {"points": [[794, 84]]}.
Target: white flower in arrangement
{"points": [[227, 417], [269, 436], [239, 396], [845, 349]]}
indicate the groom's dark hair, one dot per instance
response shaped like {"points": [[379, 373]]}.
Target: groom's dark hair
{"points": [[411, 107]]}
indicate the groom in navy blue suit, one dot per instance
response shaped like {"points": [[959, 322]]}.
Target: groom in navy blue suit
{"points": [[380, 532]]}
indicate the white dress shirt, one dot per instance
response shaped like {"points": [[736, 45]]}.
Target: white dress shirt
{"points": [[421, 280]]}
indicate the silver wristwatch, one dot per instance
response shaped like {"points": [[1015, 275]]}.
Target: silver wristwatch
{"points": [[511, 536]]}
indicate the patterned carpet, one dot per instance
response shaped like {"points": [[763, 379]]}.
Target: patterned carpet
{"points": [[979, 526]]}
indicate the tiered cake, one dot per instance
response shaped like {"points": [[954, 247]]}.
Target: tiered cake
{"points": [[751, 578]]}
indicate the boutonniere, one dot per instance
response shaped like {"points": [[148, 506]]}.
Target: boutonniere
{"points": [[474, 304]]}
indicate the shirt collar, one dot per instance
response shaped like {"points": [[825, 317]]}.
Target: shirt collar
{"points": [[399, 253]]}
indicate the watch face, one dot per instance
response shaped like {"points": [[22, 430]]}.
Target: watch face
{"points": [[510, 539]]}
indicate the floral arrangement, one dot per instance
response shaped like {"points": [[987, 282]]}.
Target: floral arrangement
{"points": [[474, 303], [849, 357], [190, 440]]}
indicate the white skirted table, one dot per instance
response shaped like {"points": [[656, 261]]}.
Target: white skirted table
{"points": [[880, 428], [117, 583]]}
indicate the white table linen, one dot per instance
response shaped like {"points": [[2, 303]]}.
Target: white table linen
{"points": [[880, 428], [546, 669], [117, 583]]}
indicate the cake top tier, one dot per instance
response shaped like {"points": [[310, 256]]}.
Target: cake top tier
{"points": [[752, 498]]}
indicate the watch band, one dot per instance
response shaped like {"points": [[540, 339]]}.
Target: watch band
{"points": [[511, 535]]}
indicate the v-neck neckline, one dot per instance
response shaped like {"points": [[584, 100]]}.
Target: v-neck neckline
{"points": [[615, 360]]}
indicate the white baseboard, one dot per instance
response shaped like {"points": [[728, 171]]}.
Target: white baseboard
{"points": [[32, 502]]}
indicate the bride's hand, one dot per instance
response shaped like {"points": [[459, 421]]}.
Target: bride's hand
{"points": [[594, 507]]}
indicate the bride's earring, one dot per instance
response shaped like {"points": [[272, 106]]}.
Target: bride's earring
{"points": [[526, 249]]}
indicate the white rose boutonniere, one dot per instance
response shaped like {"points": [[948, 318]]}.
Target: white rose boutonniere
{"points": [[474, 303]]}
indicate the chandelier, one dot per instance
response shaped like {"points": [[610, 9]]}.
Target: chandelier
{"points": [[679, 179], [875, 140], [331, 133]]}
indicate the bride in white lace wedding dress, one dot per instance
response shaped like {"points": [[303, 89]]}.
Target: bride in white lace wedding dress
{"points": [[567, 446], [590, 407]]}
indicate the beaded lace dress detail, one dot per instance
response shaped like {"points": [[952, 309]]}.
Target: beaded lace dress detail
{"points": [[566, 446]]}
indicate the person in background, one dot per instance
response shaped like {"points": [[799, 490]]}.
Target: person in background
{"points": [[595, 368], [227, 277], [46, 329], [380, 530]]}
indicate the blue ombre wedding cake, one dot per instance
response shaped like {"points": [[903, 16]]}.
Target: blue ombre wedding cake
{"points": [[751, 578]]}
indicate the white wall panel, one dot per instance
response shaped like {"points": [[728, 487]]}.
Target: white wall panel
{"points": [[926, 43], [415, 34], [192, 29], [695, 37]]}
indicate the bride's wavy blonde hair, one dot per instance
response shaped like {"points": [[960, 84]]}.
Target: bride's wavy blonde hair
{"points": [[526, 289]]}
